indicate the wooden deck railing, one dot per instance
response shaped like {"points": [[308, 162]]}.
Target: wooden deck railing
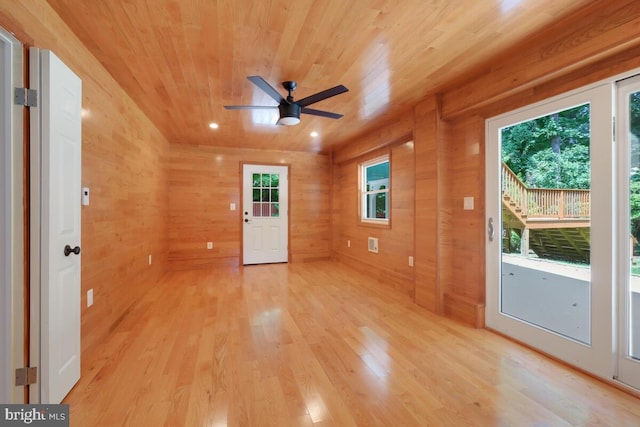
{"points": [[545, 202], [514, 188]]}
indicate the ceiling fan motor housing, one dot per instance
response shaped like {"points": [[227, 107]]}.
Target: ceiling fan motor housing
{"points": [[289, 110]]}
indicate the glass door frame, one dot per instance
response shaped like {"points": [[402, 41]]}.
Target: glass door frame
{"points": [[628, 370], [598, 357]]}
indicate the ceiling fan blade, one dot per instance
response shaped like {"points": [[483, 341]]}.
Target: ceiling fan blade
{"points": [[267, 88], [251, 107], [321, 113], [322, 95]]}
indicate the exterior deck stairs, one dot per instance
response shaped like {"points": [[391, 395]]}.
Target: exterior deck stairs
{"points": [[553, 223]]}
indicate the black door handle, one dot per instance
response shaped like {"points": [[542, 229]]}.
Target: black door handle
{"points": [[68, 250], [246, 220]]}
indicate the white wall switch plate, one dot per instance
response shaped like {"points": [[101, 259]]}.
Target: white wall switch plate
{"points": [[209, 245], [468, 203], [85, 196], [89, 297], [232, 206], [150, 259], [410, 261]]}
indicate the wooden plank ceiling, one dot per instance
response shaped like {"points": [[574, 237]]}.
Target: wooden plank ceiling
{"points": [[182, 60]]}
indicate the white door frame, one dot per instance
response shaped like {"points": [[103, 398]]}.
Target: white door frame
{"points": [[628, 371], [35, 173], [596, 358], [12, 227]]}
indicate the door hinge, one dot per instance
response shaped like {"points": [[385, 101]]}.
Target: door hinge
{"points": [[25, 376], [26, 97]]}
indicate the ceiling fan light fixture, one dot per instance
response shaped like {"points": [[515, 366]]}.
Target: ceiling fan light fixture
{"points": [[289, 121], [289, 114]]}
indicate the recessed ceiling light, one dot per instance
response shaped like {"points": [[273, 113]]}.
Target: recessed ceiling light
{"points": [[314, 134], [213, 125]]}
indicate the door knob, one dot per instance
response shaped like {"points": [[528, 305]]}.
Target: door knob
{"points": [[246, 220], [68, 250]]}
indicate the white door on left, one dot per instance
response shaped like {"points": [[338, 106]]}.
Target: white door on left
{"points": [[60, 127]]}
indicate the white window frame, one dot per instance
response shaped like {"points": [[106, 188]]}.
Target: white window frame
{"points": [[364, 193]]}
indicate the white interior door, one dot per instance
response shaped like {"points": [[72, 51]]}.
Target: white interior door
{"points": [[628, 113], [60, 186], [265, 214], [564, 309], [11, 223]]}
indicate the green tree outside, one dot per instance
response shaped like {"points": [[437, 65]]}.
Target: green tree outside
{"points": [[553, 152]]}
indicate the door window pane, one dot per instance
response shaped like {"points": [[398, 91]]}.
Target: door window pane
{"points": [[266, 195], [546, 176]]}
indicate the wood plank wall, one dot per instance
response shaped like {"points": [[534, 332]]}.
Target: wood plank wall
{"points": [[204, 180], [600, 41], [464, 290], [396, 243], [427, 285], [433, 204], [123, 164]]}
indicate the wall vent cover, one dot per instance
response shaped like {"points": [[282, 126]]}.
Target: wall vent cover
{"points": [[373, 244]]}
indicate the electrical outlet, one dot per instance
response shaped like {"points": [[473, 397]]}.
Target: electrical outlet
{"points": [[89, 297], [150, 259], [209, 245], [410, 261]]}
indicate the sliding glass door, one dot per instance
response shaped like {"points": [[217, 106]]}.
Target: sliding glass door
{"points": [[549, 176], [563, 230]]}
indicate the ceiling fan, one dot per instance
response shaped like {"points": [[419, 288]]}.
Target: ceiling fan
{"points": [[289, 109]]}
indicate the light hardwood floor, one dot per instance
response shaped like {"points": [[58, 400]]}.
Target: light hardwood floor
{"points": [[320, 344]]}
